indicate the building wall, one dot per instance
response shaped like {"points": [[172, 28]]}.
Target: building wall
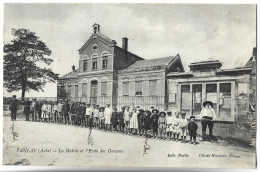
{"points": [[88, 52]]}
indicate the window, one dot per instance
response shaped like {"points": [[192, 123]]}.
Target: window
{"points": [[94, 48], [103, 88], [84, 90], [138, 88], [105, 62], [125, 88], [153, 87], [94, 64], [85, 65], [76, 91], [69, 91]]}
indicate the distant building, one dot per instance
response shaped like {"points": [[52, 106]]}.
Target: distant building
{"points": [[110, 74]]}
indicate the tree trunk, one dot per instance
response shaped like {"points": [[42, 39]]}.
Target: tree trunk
{"points": [[23, 92]]}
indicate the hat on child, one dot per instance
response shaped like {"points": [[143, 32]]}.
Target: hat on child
{"points": [[192, 117], [162, 113], [208, 103]]}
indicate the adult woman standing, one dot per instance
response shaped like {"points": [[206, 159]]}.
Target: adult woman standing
{"points": [[207, 119]]}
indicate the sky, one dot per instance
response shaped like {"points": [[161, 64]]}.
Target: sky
{"points": [[196, 32]]}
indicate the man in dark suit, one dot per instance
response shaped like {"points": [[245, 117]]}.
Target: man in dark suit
{"points": [[65, 111], [13, 107]]}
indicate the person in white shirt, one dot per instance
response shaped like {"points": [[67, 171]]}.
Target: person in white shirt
{"points": [[208, 116], [60, 112], [55, 111], [169, 123], [44, 111], [88, 114], [127, 119], [183, 122], [108, 115]]}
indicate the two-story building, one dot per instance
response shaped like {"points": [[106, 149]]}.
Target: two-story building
{"points": [[111, 74]]}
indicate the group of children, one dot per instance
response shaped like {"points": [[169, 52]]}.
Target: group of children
{"points": [[135, 121]]}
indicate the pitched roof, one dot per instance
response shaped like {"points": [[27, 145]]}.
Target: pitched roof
{"points": [[158, 62], [99, 36], [72, 74]]}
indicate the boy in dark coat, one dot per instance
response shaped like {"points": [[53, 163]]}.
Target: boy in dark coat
{"points": [[78, 114], [121, 120], [192, 128], [147, 122], [26, 109], [114, 119], [82, 115], [140, 117], [154, 119]]}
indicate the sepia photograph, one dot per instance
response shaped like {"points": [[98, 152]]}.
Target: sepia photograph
{"points": [[129, 85]]}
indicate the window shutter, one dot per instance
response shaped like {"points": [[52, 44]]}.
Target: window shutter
{"points": [[76, 91], [103, 88], [125, 88], [84, 89], [153, 87]]}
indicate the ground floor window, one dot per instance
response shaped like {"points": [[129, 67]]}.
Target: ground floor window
{"points": [[125, 88], [138, 88], [219, 93]]}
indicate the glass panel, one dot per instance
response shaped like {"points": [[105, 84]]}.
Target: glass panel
{"points": [[138, 88], [225, 101], [94, 89], [186, 98], [212, 95], [196, 99]]}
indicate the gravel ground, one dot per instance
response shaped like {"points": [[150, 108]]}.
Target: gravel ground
{"points": [[44, 144]]}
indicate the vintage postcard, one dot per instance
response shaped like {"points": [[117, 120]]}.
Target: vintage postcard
{"points": [[129, 85]]}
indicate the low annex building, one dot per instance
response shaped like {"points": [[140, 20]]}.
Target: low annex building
{"points": [[232, 91]]}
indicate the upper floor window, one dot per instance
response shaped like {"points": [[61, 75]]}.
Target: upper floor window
{"points": [[104, 62], [94, 64], [94, 47], [85, 65]]}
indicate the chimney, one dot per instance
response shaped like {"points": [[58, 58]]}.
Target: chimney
{"points": [[125, 43], [73, 68], [254, 54]]}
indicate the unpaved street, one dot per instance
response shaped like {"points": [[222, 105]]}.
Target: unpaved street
{"points": [[44, 144]]}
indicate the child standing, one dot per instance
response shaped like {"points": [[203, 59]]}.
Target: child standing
{"points": [[162, 125], [192, 128], [114, 119], [121, 120], [133, 122], [169, 121], [44, 111], [176, 127], [101, 118], [126, 119], [183, 127]]}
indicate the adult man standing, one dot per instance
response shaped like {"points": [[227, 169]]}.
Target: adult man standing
{"points": [[65, 111], [34, 116], [207, 119], [13, 107]]}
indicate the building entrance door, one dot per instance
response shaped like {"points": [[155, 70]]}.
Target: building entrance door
{"points": [[93, 94]]}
